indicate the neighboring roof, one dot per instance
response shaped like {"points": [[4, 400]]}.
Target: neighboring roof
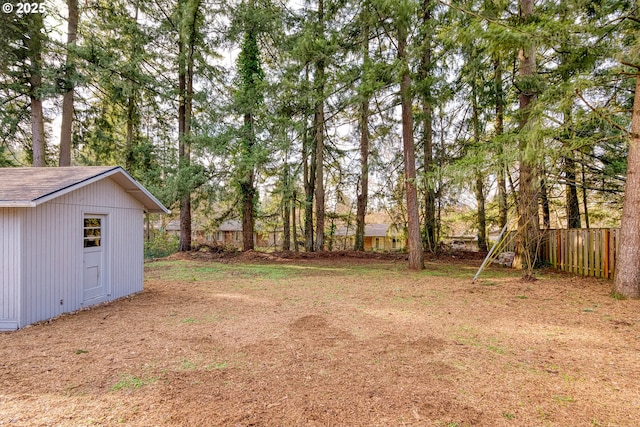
{"points": [[231, 225], [30, 187], [370, 230]]}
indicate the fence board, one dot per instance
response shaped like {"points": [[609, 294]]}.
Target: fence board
{"points": [[588, 252]]}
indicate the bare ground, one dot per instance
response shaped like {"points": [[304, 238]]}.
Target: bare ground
{"points": [[291, 340]]}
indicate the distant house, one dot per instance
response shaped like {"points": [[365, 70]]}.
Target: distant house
{"points": [[230, 234], [377, 237], [69, 238], [173, 228]]}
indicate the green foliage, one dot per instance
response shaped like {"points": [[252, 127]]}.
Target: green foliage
{"points": [[161, 245]]}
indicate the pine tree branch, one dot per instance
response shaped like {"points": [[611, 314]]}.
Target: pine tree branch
{"points": [[605, 118]]}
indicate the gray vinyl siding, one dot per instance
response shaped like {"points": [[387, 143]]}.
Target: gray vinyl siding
{"points": [[52, 250], [10, 226]]}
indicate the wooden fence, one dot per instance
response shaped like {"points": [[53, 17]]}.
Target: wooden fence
{"points": [[588, 252]]}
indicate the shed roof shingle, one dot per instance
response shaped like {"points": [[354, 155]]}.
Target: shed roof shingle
{"points": [[29, 187]]}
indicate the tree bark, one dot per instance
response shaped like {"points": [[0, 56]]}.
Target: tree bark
{"points": [[479, 184], [294, 225], [309, 177], [430, 236], [38, 144], [571, 193], [131, 111], [627, 276], [67, 100], [416, 256], [186, 48], [184, 150], [286, 211], [309, 172], [528, 223], [499, 129], [319, 136], [572, 205], [544, 201], [585, 206], [363, 194]]}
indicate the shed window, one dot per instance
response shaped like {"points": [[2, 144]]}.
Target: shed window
{"points": [[92, 232]]}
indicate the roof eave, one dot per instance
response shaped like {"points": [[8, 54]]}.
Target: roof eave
{"points": [[121, 177], [17, 204]]}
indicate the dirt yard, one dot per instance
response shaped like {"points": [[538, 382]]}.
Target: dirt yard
{"points": [[262, 340]]}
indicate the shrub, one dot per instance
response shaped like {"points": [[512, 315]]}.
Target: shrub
{"points": [[161, 245]]}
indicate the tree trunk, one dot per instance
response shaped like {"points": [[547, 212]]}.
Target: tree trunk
{"points": [[430, 236], [309, 173], [479, 184], [184, 154], [572, 204], [528, 223], [319, 136], [185, 102], [482, 217], [67, 100], [38, 144], [363, 194], [416, 256], [185, 218], [248, 219], [499, 129], [544, 201], [571, 193], [627, 277], [294, 224], [286, 211], [319, 190], [37, 126], [585, 207], [309, 178]]}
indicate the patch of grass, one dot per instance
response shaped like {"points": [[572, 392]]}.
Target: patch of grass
{"points": [[188, 365], [563, 399], [617, 296], [131, 382], [218, 365], [495, 349], [488, 283], [189, 320], [508, 415], [522, 296], [81, 351]]}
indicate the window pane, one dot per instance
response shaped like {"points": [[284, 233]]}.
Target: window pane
{"points": [[92, 232], [92, 222]]}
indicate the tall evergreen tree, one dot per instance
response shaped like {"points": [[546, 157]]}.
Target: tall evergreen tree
{"points": [[249, 99], [188, 21], [402, 25], [363, 124], [430, 236], [319, 82], [528, 195], [69, 77]]}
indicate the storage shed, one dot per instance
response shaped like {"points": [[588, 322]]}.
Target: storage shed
{"points": [[69, 238]]}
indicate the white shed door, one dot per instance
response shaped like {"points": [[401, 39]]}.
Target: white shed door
{"points": [[94, 283]]}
